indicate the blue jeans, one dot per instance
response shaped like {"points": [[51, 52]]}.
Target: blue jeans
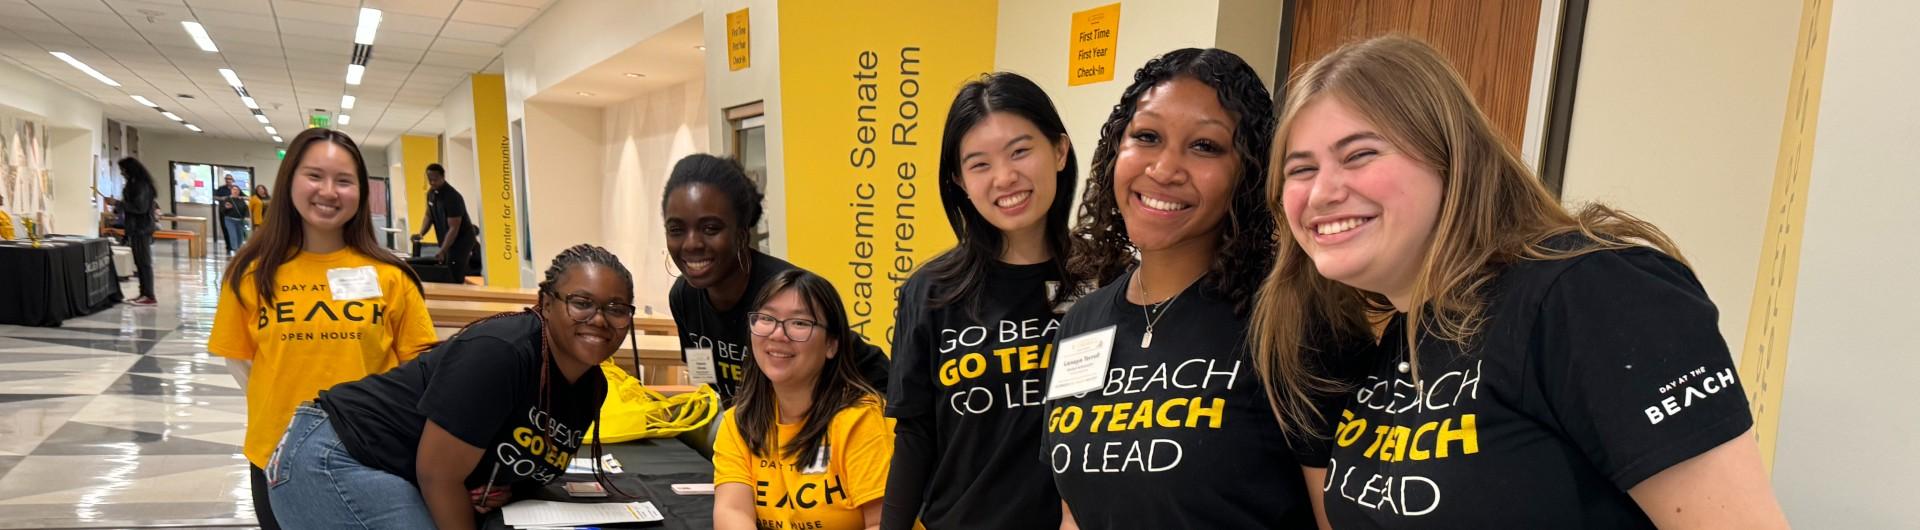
{"points": [[314, 483], [236, 231]]}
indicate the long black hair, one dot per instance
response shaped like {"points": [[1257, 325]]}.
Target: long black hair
{"points": [[840, 386], [135, 172], [1101, 249], [958, 273]]}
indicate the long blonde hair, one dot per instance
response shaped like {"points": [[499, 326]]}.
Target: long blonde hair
{"points": [[1493, 211]]}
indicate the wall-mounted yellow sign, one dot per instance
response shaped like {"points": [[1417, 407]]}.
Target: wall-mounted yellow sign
{"points": [[1090, 46], [739, 41]]}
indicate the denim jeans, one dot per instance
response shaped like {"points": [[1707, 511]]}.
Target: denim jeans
{"points": [[236, 232], [314, 483]]}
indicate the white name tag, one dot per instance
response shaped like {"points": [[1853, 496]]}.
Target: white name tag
{"points": [[355, 283], [700, 366], [1081, 365]]}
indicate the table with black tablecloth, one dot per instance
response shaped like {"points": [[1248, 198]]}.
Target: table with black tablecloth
{"points": [[64, 277], [652, 467]]}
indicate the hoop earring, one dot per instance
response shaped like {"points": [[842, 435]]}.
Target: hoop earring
{"points": [[666, 259]]}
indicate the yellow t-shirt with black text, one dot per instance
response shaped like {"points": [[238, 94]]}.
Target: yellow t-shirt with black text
{"points": [[307, 341], [789, 496]]}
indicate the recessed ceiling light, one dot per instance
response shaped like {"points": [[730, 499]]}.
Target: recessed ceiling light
{"points": [[583, 93], [635, 75], [262, 118], [233, 80], [249, 102], [346, 102], [199, 34], [354, 73], [271, 131], [345, 119], [369, 24], [701, 47], [192, 127], [171, 116], [144, 101], [276, 139], [84, 68]]}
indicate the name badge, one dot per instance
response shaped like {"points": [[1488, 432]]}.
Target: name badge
{"points": [[700, 366], [1081, 364], [353, 283]]}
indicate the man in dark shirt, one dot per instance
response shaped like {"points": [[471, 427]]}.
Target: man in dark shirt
{"points": [[235, 219], [447, 217]]}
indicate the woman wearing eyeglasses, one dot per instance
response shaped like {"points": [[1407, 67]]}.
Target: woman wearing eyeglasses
{"points": [[503, 404], [806, 444]]}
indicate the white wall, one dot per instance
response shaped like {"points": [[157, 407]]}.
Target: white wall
{"points": [[398, 180], [760, 81], [77, 121], [1677, 120], [573, 35], [644, 137], [566, 197], [1845, 454], [460, 161]]}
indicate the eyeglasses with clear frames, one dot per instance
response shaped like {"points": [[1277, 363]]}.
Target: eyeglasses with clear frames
{"points": [[798, 329]]}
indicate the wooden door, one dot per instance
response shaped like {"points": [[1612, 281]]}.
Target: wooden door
{"points": [[1490, 42]]}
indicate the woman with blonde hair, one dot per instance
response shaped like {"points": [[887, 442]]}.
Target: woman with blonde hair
{"points": [[1453, 348]]}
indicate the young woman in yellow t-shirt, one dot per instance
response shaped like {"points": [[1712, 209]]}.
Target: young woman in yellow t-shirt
{"points": [[806, 444], [312, 300], [258, 203]]}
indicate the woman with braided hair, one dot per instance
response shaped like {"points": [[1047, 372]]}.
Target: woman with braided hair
{"points": [[501, 406]]}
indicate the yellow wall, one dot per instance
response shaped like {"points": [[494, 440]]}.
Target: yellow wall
{"points": [[493, 162]]}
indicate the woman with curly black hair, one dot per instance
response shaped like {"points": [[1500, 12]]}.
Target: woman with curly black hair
{"points": [[1178, 432]]}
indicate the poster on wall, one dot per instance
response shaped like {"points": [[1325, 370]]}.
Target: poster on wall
{"points": [[870, 83]]}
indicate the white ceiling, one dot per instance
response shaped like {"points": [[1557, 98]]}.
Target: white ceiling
{"points": [[292, 56], [670, 57]]}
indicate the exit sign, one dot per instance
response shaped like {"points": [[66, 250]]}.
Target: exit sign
{"points": [[318, 120], [282, 153]]}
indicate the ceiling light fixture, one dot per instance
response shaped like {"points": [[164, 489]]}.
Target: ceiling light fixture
{"points": [[346, 102], [199, 34], [701, 47], [171, 116], [262, 118], [192, 127], [345, 119], [249, 102], [144, 101], [635, 75], [271, 131], [369, 24], [354, 73], [276, 139], [233, 80], [84, 68], [583, 93]]}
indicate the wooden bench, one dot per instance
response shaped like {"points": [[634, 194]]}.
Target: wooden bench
{"points": [[177, 235], [479, 293], [458, 313]]}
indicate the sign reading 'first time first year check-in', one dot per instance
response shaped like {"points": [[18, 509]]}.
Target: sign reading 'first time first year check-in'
{"points": [[1091, 42], [868, 84]]}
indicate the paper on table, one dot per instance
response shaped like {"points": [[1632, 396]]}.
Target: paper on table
{"points": [[549, 513]]}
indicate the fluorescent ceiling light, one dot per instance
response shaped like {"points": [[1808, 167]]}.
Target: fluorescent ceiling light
{"points": [[249, 102], [345, 119], [84, 68], [233, 80], [199, 34], [193, 128], [261, 117], [271, 131], [276, 139], [346, 102], [354, 73], [144, 101], [171, 116], [369, 23]]}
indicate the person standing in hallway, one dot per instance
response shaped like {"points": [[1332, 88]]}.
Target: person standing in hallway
{"points": [[1175, 434], [316, 301], [1007, 175], [258, 205], [140, 214], [447, 217], [711, 208], [231, 201], [1537, 367]]}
